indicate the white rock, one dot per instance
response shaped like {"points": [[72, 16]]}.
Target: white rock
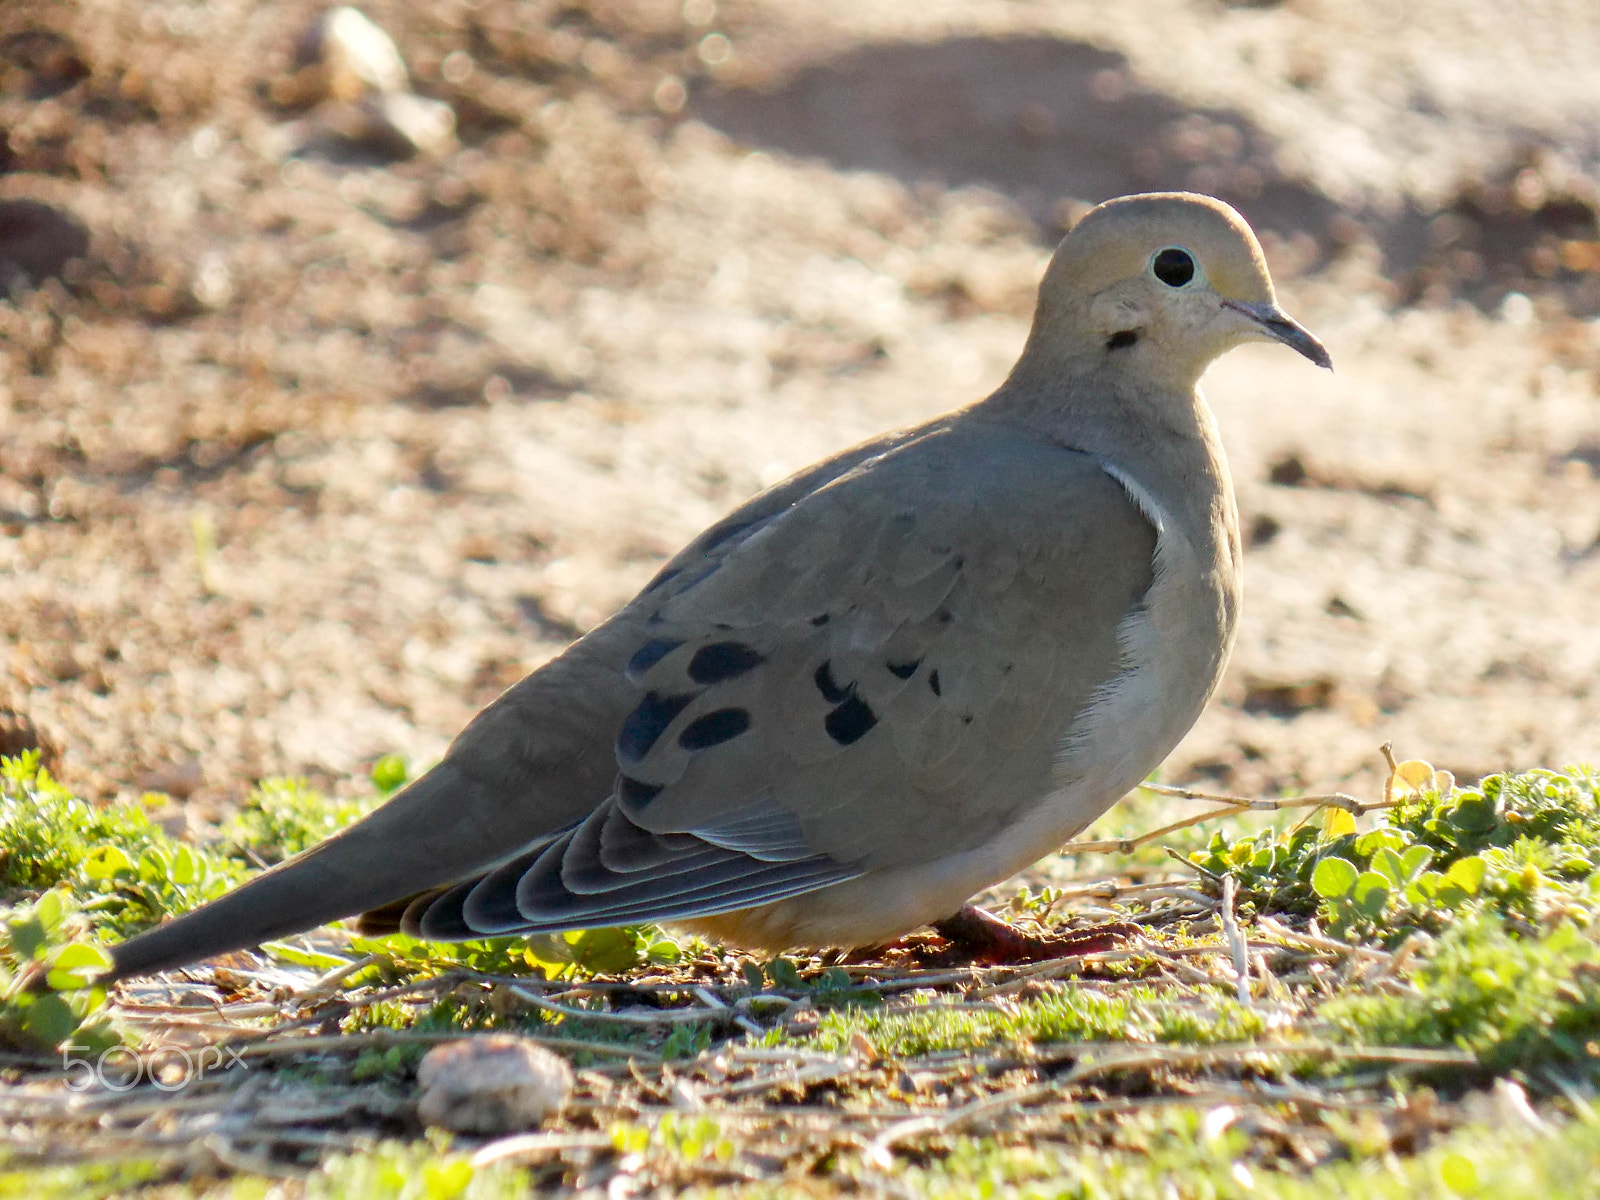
{"points": [[427, 125], [359, 56], [491, 1085]]}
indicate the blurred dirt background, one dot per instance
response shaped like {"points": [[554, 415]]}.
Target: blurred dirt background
{"points": [[334, 400]]}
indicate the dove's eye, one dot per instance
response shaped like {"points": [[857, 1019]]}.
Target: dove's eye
{"points": [[1173, 266]]}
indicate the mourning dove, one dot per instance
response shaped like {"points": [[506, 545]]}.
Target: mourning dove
{"points": [[877, 688]]}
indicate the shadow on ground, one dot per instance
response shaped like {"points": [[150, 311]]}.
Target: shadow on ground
{"points": [[1039, 119], [1035, 118]]}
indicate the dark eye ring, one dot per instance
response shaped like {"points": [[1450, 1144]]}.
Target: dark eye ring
{"points": [[1174, 266]]}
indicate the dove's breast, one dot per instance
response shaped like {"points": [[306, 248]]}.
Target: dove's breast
{"points": [[1174, 647]]}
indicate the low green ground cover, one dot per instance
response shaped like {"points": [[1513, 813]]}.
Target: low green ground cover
{"points": [[1407, 1004]]}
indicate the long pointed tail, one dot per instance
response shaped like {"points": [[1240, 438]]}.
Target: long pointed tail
{"points": [[534, 762], [443, 827]]}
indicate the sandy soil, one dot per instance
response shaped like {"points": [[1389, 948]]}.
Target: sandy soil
{"points": [[312, 445]]}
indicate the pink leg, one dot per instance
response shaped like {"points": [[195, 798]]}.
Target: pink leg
{"points": [[980, 938]]}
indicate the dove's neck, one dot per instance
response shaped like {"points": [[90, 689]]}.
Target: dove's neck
{"points": [[1162, 441], [1163, 436]]}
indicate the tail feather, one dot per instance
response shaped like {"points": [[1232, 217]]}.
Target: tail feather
{"points": [[444, 827], [390, 918], [535, 761]]}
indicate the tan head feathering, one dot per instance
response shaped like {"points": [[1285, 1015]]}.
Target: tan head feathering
{"points": [[875, 689], [1178, 275]]}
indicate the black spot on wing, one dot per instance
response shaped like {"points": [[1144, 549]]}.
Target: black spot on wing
{"points": [[850, 721], [720, 661], [829, 686], [903, 670], [820, 620], [645, 724], [649, 654], [714, 728], [933, 682], [1122, 339], [635, 793]]}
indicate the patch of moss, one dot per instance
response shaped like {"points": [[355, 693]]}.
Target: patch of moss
{"points": [[1074, 1014], [1517, 1002]]}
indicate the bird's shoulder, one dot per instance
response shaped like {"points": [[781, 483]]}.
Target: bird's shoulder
{"points": [[971, 493]]}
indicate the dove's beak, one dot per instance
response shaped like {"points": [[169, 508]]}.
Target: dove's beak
{"points": [[1281, 327]]}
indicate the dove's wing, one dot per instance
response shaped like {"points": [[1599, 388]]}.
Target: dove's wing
{"points": [[530, 766], [881, 673]]}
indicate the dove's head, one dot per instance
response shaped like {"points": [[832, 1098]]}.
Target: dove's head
{"points": [[1160, 285]]}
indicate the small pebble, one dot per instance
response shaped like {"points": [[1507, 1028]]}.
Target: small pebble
{"points": [[491, 1085]]}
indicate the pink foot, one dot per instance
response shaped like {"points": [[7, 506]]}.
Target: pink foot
{"points": [[981, 939]]}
